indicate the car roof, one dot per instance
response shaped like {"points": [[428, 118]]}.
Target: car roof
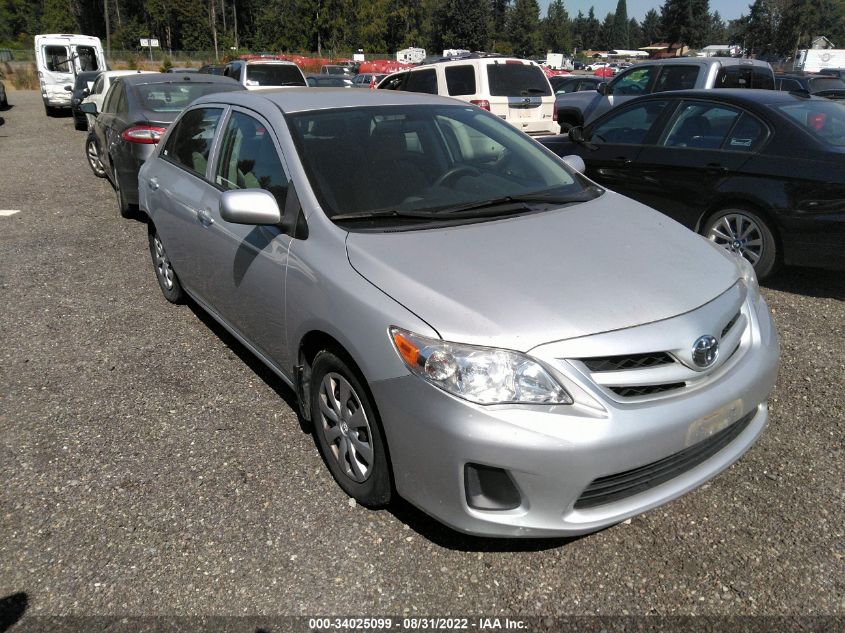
{"points": [[292, 100], [139, 79], [736, 95], [706, 61], [125, 73]]}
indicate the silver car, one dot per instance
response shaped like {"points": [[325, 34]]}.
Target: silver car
{"points": [[468, 322]]}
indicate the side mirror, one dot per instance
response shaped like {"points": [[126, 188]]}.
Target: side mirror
{"points": [[576, 134], [88, 108], [575, 162], [602, 89], [85, 92], [249, 206], [69, 88]]}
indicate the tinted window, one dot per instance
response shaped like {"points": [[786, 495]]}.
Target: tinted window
{"points": [[633, 82], [517, 80], [676, 78], [823, 119], [819, 84], [248, 158], [744, 77], [175, 97], [629, 126], [762, 79], [87, 58], [788, 84], [122, 106], [98, 86], [747, 135], [700, 125], [273, 75], [587, 85], [422, 81], [394, 82], [113, 97], [56, 59], [460, 80], [190, 142]]}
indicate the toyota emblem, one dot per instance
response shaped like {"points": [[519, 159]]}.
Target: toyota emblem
{"points": [[705, 350]]}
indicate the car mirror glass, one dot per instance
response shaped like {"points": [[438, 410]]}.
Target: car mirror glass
{"points": [[603, 88], [576, 134], [88, 108]]}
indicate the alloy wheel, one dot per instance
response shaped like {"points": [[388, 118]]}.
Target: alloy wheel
{"points": [[163, 268], [345, 426], [94, 159], [739, 234]]}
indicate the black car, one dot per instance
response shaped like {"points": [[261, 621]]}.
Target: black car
{"points": [[81, 89], [760, 172], [136, 113], [574, 83], [819, 85], [328, 81]]}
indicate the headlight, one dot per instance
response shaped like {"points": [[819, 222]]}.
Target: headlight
{"points": [[484, 375]]}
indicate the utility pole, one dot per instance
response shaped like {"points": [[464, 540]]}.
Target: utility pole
{"points": [[214, 28], [235, 12], [108, 28]]}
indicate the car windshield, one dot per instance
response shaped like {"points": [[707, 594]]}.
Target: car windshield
{"points": [[821, 84], [515, 79], [174, 97], [273, 75], [425, 159], [824, 119]]}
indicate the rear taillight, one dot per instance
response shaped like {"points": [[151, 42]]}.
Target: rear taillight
{"points": [[481, 103], [144, 134], [554, 113], [816, 120]]}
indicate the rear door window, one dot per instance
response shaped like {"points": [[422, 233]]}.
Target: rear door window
{"points": [[394, 82], [634, 82], [747, 135], [113, 97], [422, 81], [517, 80], [700, 126], [189, 143], [630, 126], [460, 80], [56, 59], [676, 78], [745, 77]]}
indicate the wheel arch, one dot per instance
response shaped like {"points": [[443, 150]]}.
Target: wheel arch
{"points": [[570, 116]]}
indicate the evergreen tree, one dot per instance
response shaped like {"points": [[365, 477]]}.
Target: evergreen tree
{"points": [[591, 30], [461, 24], [58, 17], [651, 28], [500, 9], [557, 28], [635, 34], [524, 27], [621, 38]]}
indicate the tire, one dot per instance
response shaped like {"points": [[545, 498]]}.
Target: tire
{"points": [[49, 110], [348, 432], [746, 233], [168, 281], [80, 124], [93, 156]]}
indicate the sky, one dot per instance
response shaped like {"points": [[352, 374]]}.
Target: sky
{"points": [[728, 9]]}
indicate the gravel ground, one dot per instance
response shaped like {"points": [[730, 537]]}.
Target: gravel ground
{"points": [[151, 466]]}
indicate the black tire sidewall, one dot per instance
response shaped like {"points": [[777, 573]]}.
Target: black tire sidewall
{"points": [[88, 141], [376, 490], [768, 263], [175, 294]]}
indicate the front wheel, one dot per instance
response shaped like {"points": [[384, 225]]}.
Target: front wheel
{"points": [[746, 234], [347, 431], [166, 276]]}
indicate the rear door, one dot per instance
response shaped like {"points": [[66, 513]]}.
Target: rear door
{"points": [[520, 93], [703, 145]]}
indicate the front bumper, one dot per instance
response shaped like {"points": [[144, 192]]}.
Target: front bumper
{"points": [[552, 454]]}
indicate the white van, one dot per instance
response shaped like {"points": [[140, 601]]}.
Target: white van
{"points": [[58, 58], [814, 59], [516, 90]]}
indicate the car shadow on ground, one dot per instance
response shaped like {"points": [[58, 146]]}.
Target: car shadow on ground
{"points": [[12, 608], [810, 282]]}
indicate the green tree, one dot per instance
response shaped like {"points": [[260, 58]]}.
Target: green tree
{"points": [[58, 17], [499, 15], [635, 34], [591, 30], [461, 24], [524, 27], [557, 28], [607, 32], [620, 36], [651, 28]]}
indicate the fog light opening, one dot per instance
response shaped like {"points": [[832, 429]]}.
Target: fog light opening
{"points": [[489, 488]]}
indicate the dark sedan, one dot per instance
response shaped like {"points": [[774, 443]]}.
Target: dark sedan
{"points": [[328, 81], [562, 84], [760, 172], [136, 112], [819, 85], [81, 89]]}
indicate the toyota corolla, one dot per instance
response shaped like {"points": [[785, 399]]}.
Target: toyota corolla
{"points": [[467, 320]]}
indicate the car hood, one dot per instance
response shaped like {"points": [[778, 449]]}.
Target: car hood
{"points": [[516, 283]]}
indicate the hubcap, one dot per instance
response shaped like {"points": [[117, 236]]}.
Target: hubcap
{"points": [[345, 426], [739, 234], [163, 268], [93, 158]]}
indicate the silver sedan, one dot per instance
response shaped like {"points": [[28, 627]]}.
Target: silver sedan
{"points": [[467, 320]]}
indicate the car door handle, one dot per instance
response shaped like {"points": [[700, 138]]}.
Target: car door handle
{"points": [[716, 168], [205, 218], [152, 183], [621, 160]]}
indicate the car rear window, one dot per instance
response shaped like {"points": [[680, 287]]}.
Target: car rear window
{"points": [[517, 80], [825, 120], [460, 80], [273, 75], [820, 84], [174, 97], [745, 77]]}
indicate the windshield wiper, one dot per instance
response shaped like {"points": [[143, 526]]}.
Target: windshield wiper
{"points": [[382, 213], [509, 204]]}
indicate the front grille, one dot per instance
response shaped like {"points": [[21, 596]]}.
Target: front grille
{"points": [[730, 324], [627, 361], [645, 390], [631, 482]]}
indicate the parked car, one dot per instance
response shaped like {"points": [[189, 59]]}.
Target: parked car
{"points": [[328, 81], [365, 80], [4, 100], [836, 72], [595, 66], [660, 76], [58, 58], [182, 69], [213, 69], [101, 86], [516, 90], [573, 83], [578, 66], [336, 69], [81, 89], [467, 321], [137, 110], [819, 85], [261, 74], [759, 172], [604, 71]]}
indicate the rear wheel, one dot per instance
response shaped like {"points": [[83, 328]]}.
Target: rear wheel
{"points": [[93, 157], [166, 276], [745, 233], [126, 210], [347, 431]]}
